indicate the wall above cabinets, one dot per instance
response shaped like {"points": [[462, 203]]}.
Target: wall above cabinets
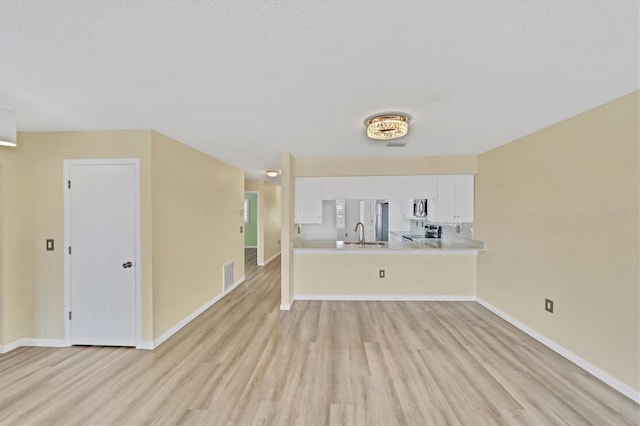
{"points": [[378, 187]]}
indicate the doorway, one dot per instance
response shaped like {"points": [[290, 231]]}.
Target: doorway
{"points": [[102, 278], [252, 240]]}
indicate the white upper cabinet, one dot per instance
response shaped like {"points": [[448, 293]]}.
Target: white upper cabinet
{"points": [[308, 200], [340, 188], [455, 200], [416, 187], [465, 198]]}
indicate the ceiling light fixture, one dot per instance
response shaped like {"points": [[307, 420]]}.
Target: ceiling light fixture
{"points": [[8, 135], [387, 126], [273, 173]]}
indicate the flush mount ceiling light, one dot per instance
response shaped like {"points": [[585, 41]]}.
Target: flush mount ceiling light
{"points": [[387, 126], [8, 135], [272, 173]]}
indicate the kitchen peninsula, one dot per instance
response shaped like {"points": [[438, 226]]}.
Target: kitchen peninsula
{"points": [[335, 213], [397, 270]]}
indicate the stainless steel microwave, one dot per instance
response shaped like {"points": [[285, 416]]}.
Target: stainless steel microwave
{"points": [[420, 208]]}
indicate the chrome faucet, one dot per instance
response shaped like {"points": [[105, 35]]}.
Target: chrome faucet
{"points": [[360, 235]]}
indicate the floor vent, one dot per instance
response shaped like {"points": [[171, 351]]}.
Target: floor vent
{"points": [[227, 276]]}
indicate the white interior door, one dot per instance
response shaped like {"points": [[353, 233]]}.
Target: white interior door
{"points": [[102, 199]]}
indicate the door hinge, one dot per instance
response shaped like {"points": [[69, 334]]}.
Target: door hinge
{"points": [[69, 315], [69, 249], [69, 184]]}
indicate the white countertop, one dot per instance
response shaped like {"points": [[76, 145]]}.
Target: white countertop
{"points": [[427, 246]]}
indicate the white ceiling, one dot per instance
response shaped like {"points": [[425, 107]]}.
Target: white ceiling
{"points": [[245, 80]]}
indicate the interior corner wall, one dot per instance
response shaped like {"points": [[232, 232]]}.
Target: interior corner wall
{"points": [[559, 212], [271, 220], [33, 210], [251, 227], [197, 205], [270, 217]]}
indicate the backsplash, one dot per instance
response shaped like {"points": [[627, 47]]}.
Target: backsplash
{"points": [[461, 230]]}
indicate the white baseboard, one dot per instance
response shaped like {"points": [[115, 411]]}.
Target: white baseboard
{"points": [[46, 343], [233, 287], [269, 259], [145, 344], [385, 298], [11, 346], [623, 388], [186, 320], [285, 307]]}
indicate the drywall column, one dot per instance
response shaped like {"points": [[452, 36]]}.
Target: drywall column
{"points": [[287, 233]]}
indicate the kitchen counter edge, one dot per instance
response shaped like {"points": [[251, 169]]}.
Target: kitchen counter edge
{"points": [[438, 247]]}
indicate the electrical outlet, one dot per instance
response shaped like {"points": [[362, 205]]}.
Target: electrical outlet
{"points": [[548, 305], [381, 273], [241, 229]]}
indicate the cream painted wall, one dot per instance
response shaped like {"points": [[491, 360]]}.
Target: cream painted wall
{"points": [[270, 228], [197, 204], [386, 166], [405, 275], [559, 212], [32, 278], [289, 230]]}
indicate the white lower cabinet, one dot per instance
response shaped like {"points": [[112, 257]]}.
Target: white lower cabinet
{"points": [[308, 200]]}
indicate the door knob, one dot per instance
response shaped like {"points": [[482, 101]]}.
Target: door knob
{"points": [[127, 265]]}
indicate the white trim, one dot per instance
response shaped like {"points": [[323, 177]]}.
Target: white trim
{"points": [[186, 320], [384, 298], [270, 259], [11, 346], [623, 388], [285, 307], [67, 241], [145, 344], [43, 343], [235, 284], [255, 247]]}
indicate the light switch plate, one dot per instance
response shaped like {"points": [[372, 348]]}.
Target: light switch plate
{"points": [[50, 245]]}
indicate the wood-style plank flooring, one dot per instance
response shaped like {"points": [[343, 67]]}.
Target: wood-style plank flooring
{"points": [[244, 362]]}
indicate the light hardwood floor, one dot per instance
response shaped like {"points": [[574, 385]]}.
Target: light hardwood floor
{"points": [[245, 362]]}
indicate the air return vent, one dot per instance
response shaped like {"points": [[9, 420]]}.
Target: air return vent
{"points": [[227, 276]]}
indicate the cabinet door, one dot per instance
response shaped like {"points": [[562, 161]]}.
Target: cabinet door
{"points": [[414, 187], [376, 187], [446, 205], [464, 198], [340, 188], [308, 200]]}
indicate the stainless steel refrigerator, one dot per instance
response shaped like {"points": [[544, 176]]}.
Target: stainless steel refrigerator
{"points": [[382, 220]]}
